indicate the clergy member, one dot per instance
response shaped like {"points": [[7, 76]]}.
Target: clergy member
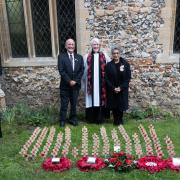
{"points": [[94, 83]]}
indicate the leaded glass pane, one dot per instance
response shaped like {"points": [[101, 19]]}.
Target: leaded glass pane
{"points": [[15, 13], [177, 30], [66, 21], [41, 27]]}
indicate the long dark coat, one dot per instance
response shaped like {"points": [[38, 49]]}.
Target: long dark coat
{"points": [[120, 100]]}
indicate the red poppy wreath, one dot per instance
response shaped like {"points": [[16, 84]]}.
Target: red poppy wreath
{"points": [[62, 165], [171, 165], [151, 164], [83, 165], [121, 162]]}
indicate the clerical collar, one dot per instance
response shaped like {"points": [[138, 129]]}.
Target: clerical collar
{"points": [[95, 52]]}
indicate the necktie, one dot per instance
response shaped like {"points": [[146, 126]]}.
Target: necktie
{"points": [[71, 59]]}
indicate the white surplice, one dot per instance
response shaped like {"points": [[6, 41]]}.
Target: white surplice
{"points": [[96, 85]]}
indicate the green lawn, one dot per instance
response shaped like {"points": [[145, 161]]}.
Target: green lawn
{"points": [[13, 166]]}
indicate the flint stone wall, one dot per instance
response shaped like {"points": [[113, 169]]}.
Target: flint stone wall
{"points": [[132, 24], [151, 84]]}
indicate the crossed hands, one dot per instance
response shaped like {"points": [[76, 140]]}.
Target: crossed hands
{"points": [[117, 90], [72, 83]]}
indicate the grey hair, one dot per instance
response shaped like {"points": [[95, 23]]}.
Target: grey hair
{"points": [[115, 48], [95, 40], [68, 40]]}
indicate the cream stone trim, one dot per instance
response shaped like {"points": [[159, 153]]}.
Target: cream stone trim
{"points": [[5, 35], [51, 16], [56, 37], [37, 61], [167, 34], [82, 34], [29, 28], [2, 53]]}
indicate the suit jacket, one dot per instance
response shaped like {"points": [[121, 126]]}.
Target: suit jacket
{"points": [[66, 70], [119, 100]]}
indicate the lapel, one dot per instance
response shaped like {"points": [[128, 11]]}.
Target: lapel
{"points": [[124, 64], [114, 70], [75, 61]]}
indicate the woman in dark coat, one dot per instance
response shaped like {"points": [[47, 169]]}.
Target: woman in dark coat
{"points": [[118, 75]]}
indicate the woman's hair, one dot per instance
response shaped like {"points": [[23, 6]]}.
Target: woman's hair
{"points": [[115, 48], [95, 40]]}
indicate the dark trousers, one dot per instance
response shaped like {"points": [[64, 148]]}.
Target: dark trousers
{"points": [[117, 116], [95, 115], [0, 125], [67, 96], [0, 131]]}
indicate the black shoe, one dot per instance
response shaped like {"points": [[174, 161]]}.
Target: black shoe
{"points": [[121, 122], [100, 122], [117, 123], [62, 123], [73, 122]]}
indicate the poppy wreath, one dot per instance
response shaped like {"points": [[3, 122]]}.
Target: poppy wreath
{"points": [[62, 165], [171, 166], [151, 164], [121, 162], [82, 164]]}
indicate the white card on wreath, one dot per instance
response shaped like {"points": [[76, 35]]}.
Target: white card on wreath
{"points": [[176, 161], [55, 160], [116, 148], [91, 160]]}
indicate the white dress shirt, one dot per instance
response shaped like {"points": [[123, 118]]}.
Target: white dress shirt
{"points": [[72, 59]]}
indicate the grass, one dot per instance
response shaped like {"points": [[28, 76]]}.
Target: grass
{"points": [[19, 123]]}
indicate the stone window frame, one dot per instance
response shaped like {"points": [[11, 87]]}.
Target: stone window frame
{"points": [[31, 60], [167, 34]]}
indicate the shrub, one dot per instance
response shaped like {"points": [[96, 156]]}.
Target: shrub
{"points": [[23, 114], [138, 114]]}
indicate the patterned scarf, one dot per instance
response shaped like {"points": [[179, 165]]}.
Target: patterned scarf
{"points": [[102, 61]]}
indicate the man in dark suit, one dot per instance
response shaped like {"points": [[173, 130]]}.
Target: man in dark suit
{"points": [[71, 69]]}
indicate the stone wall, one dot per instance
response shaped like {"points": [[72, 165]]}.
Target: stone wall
{"points": [[155, 84], [151, 84], [132, 24], [36, 86], [135, 25]]}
